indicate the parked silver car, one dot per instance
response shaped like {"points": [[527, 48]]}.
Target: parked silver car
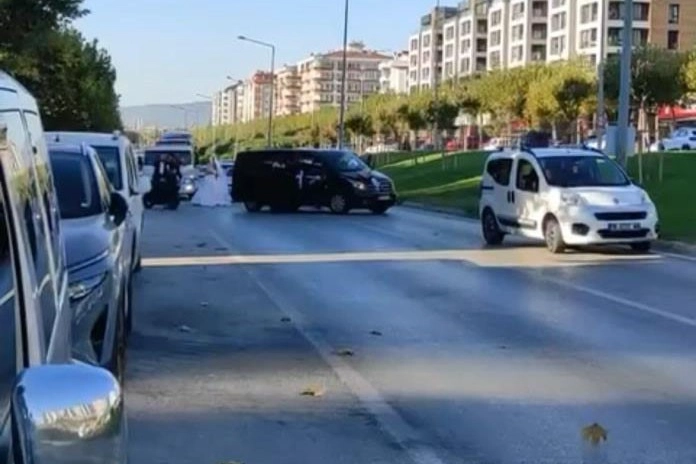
{"points": [[52, 409], [94, 227]]}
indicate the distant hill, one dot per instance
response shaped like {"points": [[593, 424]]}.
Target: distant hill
{"points": [[166, 116]]}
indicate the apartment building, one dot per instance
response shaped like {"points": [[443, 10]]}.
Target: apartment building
{"points": [[471, 39], [320, 77], [287, 91], [226, 105], [528, 32], [426, 49], [498, 34], [577, 27], [256, 98], [394, 74]]}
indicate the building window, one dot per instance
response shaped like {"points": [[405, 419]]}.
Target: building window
{"points": [[482, 26], [517, 53], [449, 33], [449, 70], [426, 40], [466, 27], [414, 44], [558, 22], [589, 13], [466, 45], [449, 51], [588, 38], [426, 57], [464, 65], [518, 32], [517, 10], [673, 40], [425, 73], [674, 13], [413, 76], [557, 3], [481, 45], [495, 38], [496, 18], [558, 45], [414, 60], [641, 11], [494, 60]]}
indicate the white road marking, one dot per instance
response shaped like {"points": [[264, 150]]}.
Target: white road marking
{"points": [[388, 418], [679, 256], [620, 300]]}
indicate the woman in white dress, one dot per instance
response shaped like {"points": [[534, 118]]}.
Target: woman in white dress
{"points": [[212, 189]]}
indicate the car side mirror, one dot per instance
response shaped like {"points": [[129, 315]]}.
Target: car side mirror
{"points": [[118, 208], [140, 164], [69, 414]]}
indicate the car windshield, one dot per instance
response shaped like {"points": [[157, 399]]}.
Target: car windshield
{"points": [[346, 161], [75, 185], [111, 160], [151, 156], [582, 171]]}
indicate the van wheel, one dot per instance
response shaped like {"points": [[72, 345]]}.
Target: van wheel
{"points": [[554, 236], [252, 206], [338, 204], [490, 228], [641, 247]]}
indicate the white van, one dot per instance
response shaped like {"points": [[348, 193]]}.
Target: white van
{"points": [[116, 154], [566, 197]]}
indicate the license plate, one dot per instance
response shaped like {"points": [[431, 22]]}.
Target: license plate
{"points": [[624, 226], [384, 197]]}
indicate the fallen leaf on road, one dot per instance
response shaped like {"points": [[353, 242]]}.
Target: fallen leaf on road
{"points": [[184, 328], [594, 433], [313, 391], [376, 332], [345, 352], [284, 319]]}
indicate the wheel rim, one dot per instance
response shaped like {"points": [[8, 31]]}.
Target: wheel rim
{"points": [[338, 203]]}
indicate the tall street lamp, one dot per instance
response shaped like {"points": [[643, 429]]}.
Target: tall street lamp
{"points": [[214, 145], [185, 112], [342, 110], [623, 122], [270, 106]]}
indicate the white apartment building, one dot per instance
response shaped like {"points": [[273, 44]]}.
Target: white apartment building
{"points": [[287, 91], [471, 39], [256, 100], [394, 74], [562, 33], [527, 36], [426, 49], [498, 34], [320, 77]]}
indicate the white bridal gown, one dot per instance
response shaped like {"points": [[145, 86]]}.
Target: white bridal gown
{"points": [[213, 190]]}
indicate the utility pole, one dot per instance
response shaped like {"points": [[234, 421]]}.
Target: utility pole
{"points": [[436, 80], [342, 109], [622, 141], [601, 120]]}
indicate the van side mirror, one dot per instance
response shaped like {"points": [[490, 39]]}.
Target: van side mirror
{"points": [[140, 164], [69, 414], [118, 208]]}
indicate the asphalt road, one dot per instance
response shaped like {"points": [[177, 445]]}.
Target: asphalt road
{"points": [[422, 346]]}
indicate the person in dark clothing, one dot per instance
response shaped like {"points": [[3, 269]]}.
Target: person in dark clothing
{"points": [[167, 174]]}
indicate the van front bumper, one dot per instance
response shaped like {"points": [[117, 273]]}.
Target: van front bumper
{"points": [[372, 199], [596, 226]]}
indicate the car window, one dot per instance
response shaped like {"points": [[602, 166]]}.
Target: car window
{"points": [[130, 166], [500, 170], [103, 187], [76, 184], [527, 177], [111, 159], [8, 328]]}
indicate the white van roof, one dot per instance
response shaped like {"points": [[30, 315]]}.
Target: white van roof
{"points": [[15, 95], [104, 139], [169, 148]]}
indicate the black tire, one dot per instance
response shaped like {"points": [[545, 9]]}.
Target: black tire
{"points": [[147, 201], [379, 209], [490, 228], [553, 236], [117, 363], [338, 203], [252, 206], [129, 312], [173, 205], [641, 247], [686, 147]]}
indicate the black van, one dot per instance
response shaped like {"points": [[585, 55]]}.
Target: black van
{"points": [[288, 179]]}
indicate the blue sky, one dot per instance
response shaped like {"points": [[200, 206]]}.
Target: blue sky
{"points": [[167, 51]]}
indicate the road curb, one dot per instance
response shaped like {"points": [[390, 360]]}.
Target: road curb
{"points": [[667, 246]]}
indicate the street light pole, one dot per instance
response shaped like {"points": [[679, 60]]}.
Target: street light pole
{"points": [[342, 110], [600, 129], [270, 106], [625, 86]]}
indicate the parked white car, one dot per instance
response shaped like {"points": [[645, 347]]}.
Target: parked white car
{"points": [[566, 197], [683, 138], [116, 154]]}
